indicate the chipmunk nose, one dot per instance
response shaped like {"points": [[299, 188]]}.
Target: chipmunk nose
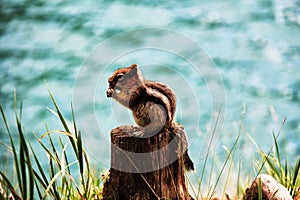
{"points": [[109, 92]]}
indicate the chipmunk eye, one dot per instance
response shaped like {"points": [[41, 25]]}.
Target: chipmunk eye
{"points": [[120, 75]]}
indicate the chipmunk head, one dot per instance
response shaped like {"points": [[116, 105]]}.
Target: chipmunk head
{"points": [[123, 83]]}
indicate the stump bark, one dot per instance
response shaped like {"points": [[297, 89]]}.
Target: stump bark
{"points": [[146, 168]]}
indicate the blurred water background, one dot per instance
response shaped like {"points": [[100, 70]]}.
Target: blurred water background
{"points": [[255, 45]]}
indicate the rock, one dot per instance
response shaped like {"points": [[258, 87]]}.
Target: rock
{"points": [[271, 189]]}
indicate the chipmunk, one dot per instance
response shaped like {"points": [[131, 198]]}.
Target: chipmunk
{"points": [[153, 104]]}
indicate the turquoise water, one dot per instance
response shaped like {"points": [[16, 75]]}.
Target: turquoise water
{"points": [[253, 45]]}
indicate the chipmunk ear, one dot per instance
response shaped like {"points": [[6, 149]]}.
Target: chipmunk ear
{"points": [[134, 68]]}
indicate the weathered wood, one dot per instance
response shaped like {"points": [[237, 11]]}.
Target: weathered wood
{"points": [[146, 168]]}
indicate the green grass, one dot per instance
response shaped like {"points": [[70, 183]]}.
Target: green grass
{"points": [[224, 172], [276, 164], [30, 180], [69, 175], [271, 163]]}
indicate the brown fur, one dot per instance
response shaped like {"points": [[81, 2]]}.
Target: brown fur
{"points": [[153, 104]]}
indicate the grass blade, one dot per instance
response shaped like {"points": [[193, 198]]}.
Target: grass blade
{"points": [[57, 131], [62, 119], [51, 156], [88, 189], [74, 121], [208, 151], [20, 113], [23, 172], [79, 147], [43, 180], [229, 170], [266, 157], [22, 160], [40, 180], [272, 165], [38, 189], [238, 188], [25, 163], [10, 187], [15, 155], [225, 163], [278, 158], [52, 183], [259, 189], [64, 154], [58, 110], [56, 160], [54, 178], [230, 154], [276, 147], [295, 178], [286, 181]]}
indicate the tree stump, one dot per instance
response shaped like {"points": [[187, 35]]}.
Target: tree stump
{"points": [[146, 168]]}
